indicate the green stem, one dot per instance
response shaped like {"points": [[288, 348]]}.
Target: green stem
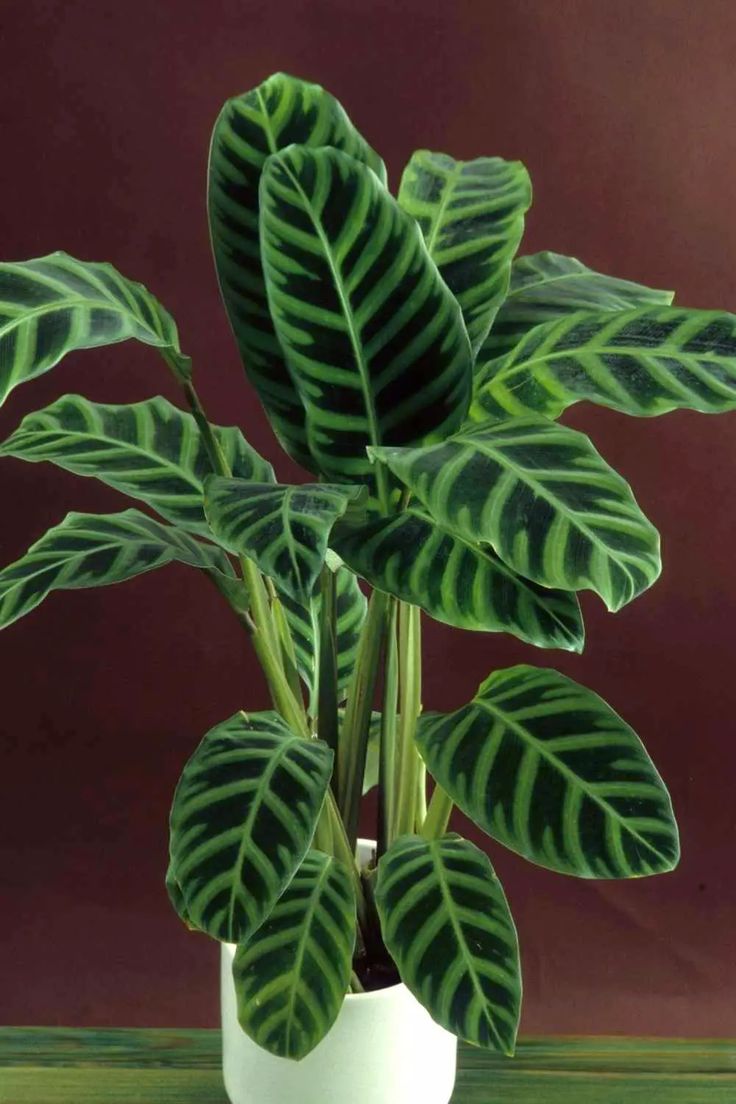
{"points": [[286, 642], [387, 755], [438, 814], [410, 706], [327, 673]]}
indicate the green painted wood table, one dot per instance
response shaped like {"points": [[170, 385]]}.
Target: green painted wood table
{"points": [[117, 1066]]}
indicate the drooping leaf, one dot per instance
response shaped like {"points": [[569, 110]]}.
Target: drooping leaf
{"points": [[91, 550], [446, 922], [303, 618], [472, 217], [249, 128], [545, 500], [284, 529], [545, 286], [456, 581], [641, 362], [150, 450], [547, 768], [53, 305], [243, 817], [291, 977], [374, 339]]}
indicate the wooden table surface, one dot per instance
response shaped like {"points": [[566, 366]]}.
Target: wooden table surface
{"points": [[68, 1066]]}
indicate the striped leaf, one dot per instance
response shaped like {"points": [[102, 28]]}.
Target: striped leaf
{"points": [[547, 768], [53, 305], [303, 618], [91, 550], [243, 816], [374, 339], [291, 977], [641, 362], [458, 582], [284, 529], [545, 286], [545, 500], [150, 450], [448, 928], [472, 217], [249, 128]]}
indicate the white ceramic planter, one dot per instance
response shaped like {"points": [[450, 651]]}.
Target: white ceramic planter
{"points": [[384, 1048]]}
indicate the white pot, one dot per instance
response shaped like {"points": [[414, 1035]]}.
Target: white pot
{"points": [[384, 1048]]}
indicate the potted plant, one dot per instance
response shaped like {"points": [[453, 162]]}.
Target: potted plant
{"points": [[416, 370]]}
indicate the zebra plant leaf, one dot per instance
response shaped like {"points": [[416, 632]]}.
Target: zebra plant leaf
{"points": [[150, 450], [547, 768], [545, 286], [447, 925], [53, 305], [291, 977], [545, 500], [90, 550], [249, 128], [472, 217], [374, 339], [284, 529], [458, 582], [303, 619], [641, 362], [243, 817]]}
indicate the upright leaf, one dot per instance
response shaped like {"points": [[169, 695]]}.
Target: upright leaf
{"points": [[284, 529], [249, 128], [446, 922], [374, 339], [546, 501], [456, 581], [641, 362], [53, 305], [547, 768], [150, 450], [545, 286], [243, 817], [472, 217], [90, 550], [291, 977]]}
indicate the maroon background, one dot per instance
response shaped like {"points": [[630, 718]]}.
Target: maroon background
{"points": [[624, 113]]}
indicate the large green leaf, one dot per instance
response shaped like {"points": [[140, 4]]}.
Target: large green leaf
{"points": [[150, 450], [90, 550], [291, 977], [641, 362], [249, 128], [374, 339], [472, 217], [545, 500], [284, 529], [52, 305], [545, 286], [303, 618], [456, 581], [243, 816], [448, 928], [547, 768]]}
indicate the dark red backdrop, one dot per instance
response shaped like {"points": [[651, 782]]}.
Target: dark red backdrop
{"points": [[623, 112]]}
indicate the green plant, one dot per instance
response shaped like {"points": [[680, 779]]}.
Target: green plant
{"points": [[416, 370]]}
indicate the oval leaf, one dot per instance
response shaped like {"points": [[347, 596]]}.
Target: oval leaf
{"points": [[472, 217], [447, 925], [547, 768], [545, 500], [243, 816], [284, 529], [249, 128], [291, 977], [374, 339], [149, 450], [55, 304], [456, 581]]}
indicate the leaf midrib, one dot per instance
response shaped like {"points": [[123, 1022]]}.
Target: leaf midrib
{"points": [[79, 301], [304, 938]]}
